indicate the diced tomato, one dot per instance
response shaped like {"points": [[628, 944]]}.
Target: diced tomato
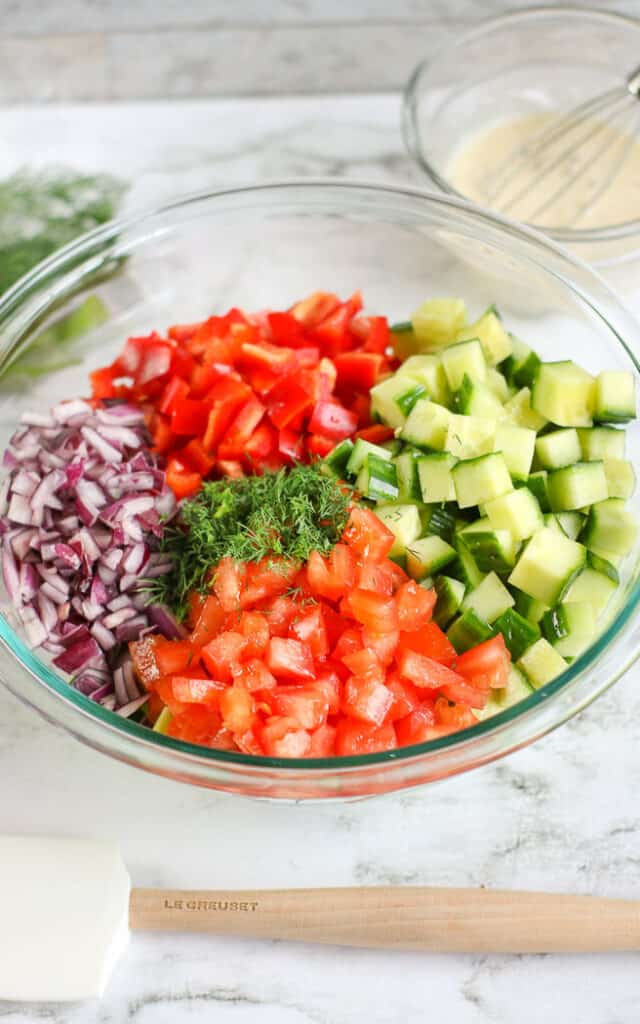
{"points": [[359, 369], [199, 724], [173, 656], [355, 737], [307, 704], [237, 709], [227, 584], [350, 641], [255, 628], [415, 606], [384, 645], [289, 659], [366, 699], [425, 672], [329, 684], [367, 536], [456, 716], [376, 612], [196, 690], [195, 603], [182, 480], [462, 692], [365, 664], [333, 576], [267, 578], [254, 675], [431, 642], [323, 741], [330, 419], [486, 665], [209, 621], [282, 738], [247, 742], [281, 613], [311, 630], [419, 726], [222, 655], [375, 576], [377, 433], [406, 697], [143, 655]]}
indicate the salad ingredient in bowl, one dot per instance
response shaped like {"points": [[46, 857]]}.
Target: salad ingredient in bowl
{"points": [[295, 604]]}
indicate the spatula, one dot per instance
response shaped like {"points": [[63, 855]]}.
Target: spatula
{"points": [[66, 907]]}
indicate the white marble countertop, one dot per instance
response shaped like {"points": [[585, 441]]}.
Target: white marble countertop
{"points": [[562, 815]]}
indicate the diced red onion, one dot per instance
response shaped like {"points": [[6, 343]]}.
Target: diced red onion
{"points": [[166, 622], [106, 451], [33, 626], [130, 630], [132, 707], [104, 636]]}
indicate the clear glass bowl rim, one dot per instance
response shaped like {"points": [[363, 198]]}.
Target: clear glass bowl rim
{"points": [[566, 236], [531, 712]]}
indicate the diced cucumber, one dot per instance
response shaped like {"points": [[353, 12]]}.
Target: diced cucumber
{"points": [[468, 631], [427, 555], [361, 451], [403, 339], [570, 627], [407, 476], [464, 357], [428, 370], [524, 363], [496, 342], [615, 397], [571, 523], [492, 550], [404, 523], [547, 566], [541, 663], [517, 444], [469, 436], [516, 690], [552, 522], [408, 399], [559, 448], [384, 400], [518, 411], [336, 461], [529, 607], [498, 385], [598, 443], [603, 566], [427, 425], [621, 479], [537, 484], [163, 721], [518, 511], [440, 521], [394, 446], [489, 599], [437, 322], [450, 594], [436, 480], [610, 527], [591, 586], [477, 399], [517, 631], [465, 567], [377, 479], [564, 393], [479, 480], [577, 486]]}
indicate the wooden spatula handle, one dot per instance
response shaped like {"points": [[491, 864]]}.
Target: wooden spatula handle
{"points": [[438, 920]]}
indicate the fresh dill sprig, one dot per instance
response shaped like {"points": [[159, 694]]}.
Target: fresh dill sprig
{"points": [[287, 514]]}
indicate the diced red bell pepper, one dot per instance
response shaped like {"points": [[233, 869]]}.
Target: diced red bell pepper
{"points": [[196, 456], [287, 400], [264, 356], [359, 369], [377, 433], [262, 443], [182, 333], [240, 429], [319, 445], [314, 309], [175, 390], [181, 479], [330, 419], [291, 445], [189, 416], [285, 329]]}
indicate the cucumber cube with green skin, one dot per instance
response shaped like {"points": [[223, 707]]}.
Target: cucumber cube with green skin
{"points": [[450, 595], [537, 484], [464, 357], [337, 460], [518, 411], [577, 486], [517, 631], [621, 479], [524, 371], [570, 627], [603, 566], [427, 425], [491, 550], [489, 599], [384, 403], [479, 480], [516, 690], [517, 445], [548, 565], [498, 385], [427, 556], [465, 567], [564, 393], [571, 523], [440, 521], [468, 631], [597, 443], [407, 476], [436, 480], [610, 527], [404, 523], [518, 511], [469, 436], [552, 523], [437, 322], [541, 663], [377, 479], [361, 451], [592, 586], [496, 342], [531, 609], [408, 399], [615, 397], [476, 399], [558, 448], [428, 370]]}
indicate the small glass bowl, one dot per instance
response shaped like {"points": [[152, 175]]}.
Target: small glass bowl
{"points": [[534, 61], [267, 246]]}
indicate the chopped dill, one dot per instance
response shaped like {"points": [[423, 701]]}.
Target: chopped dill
{"points": [[287, 514]]}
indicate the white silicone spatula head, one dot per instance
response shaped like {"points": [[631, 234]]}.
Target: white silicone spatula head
{"points": [[65, 907]]}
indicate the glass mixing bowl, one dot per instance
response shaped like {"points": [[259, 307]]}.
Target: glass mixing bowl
{"points": [[535, 61], [267, 246]]}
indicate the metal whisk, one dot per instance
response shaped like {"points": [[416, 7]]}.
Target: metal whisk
{"points": [[572, 147]]}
